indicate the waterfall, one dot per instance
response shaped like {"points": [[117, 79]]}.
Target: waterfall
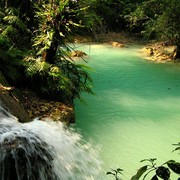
{"points": [[44, 150]]}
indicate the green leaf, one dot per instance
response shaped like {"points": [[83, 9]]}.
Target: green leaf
{"points": [[174, 166], [177, 149], [119, 170], [151, 160], [139, 173], [110, 173], [163, 172]]}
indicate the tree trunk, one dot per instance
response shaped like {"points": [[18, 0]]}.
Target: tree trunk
{"points": [[51, 52]]}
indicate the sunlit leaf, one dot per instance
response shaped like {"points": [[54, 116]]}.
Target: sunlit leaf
{"points": [[150, 160], [139, 173], [119, 170], [110, 173]]}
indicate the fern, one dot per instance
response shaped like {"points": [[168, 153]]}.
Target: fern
{"points": [[12, 11], [15, 20], [4, 42]]}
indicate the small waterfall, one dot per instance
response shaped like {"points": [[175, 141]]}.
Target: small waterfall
{"points": [[44, 150]]}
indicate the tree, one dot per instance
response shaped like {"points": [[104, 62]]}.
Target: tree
{"points": [[110, 12], [158, 19], [50, 65], [33, 36], [168, 24]]}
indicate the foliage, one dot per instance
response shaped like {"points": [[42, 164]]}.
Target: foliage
{"points": [[13, 34], [115, 173], [177, 148], [62, 81], [163, 171], [167, 24], [110, 13], [37, 31], [50, 65], [33, 47], [56, 20], [157, 19]]}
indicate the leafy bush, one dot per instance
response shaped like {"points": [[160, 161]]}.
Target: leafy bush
{"points": [[13, 34], [62, 81]]}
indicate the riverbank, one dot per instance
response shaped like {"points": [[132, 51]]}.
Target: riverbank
{"points": [[156, 51], [107, 38], [37, 107], [58, 111], [159, 52], [26, 106], [41, 108]]}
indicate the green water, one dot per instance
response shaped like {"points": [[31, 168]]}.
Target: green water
{"points": [[135, 112]]}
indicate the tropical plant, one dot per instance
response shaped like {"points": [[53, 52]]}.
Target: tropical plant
{"points": [[33, 48], [115, 173], [13, 35], [62, 81], [50, 64], [163, 171]]}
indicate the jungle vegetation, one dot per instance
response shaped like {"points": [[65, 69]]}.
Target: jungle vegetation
{"points": [[34, 52], [33, 38]]}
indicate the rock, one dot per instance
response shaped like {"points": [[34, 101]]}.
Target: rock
{"points": [[147, 51], [10, 101], [158, 52], [13, 105], [117, 44], [78, 53], [61, 113], [44, 109]]}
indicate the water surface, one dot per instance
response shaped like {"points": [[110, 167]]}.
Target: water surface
{"points": [[135, 112]]}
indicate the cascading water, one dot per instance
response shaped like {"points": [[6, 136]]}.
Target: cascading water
{"points": [[24, 155], [44, 150]]}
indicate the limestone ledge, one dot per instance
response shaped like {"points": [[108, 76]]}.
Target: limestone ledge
{"points": [[45, 109], [158, 52], [29, 106]]}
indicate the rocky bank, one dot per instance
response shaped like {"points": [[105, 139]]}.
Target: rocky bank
{"points": [[159, 52]]}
